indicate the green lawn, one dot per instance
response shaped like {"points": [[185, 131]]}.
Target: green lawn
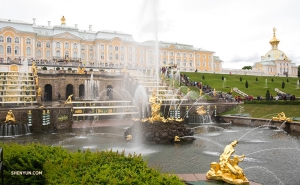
{"points": [[255, 88]]}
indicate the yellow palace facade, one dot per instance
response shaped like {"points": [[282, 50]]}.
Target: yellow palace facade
{"points": [[64, 43]]}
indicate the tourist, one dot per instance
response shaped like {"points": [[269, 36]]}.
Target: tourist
{"points": [[58, 96]]}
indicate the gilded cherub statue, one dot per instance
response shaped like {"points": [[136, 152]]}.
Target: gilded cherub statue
{"points": [[10, 117], [201, 110], [227, 169], [80, 70], [155, 104]]}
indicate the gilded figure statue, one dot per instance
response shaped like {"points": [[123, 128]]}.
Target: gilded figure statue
{"points": [[63, 20], [200, 110], [10, 117], [34, 69], [69, 99], [39, 91], [281, 117], [80, 70], [227, 169], [155, 104]]}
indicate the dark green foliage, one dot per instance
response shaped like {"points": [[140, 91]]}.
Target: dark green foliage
{"points": [[69, 69], [222, 77], [44, 68], [203, 77], [59, 166], [272, 80], [246, 84], [282, 85], [91, 69], [274, 102], [57, 68], [256, 79], [247, 67], [241, 79], [268, 95], [287, 80]]}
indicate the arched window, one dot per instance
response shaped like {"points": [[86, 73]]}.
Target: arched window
{"points": [[28, 51], [17, 50], [130, 57], [1, 39], [171, 54], [91, 56], [198, 56], [48, 54], [8, 39], [38, 53], [171, 62], [110, 56], [102, 55], [75, 46], [66, 54], [38, 44], [165, 53], [142, 59], [82, 47], [57, 45], [151, 60], [28, 41], [178, 54], [17, 40], [191, 63], [184, 62], [102, 47], [198, 63], [75, 53], [203, 63], [66, 45], [130, 49], [116, 48], [117, 56], [178, 62], [91, 48], [82, 56], [122, 57], [184, 55], [1, 49], [110, 48], [191, 55], [57, 53], [203, 56], [165, 60], [48, 44], [8, 51], [122, 48]]}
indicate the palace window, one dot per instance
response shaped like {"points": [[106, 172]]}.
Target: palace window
{"points": [[130, 49], [142, 51], [75, 46], [8, 39], [91, 48], [28, 41], [66, 45], [8, 51], [122, 57], [75, 54], [165, 61], [38, 44], [110, 48], [184, 55], [82, 56], [178, 54], [57, 45], [28, 51], [151, 60], [116, 48], [122, 48], [171, 54], [198, 63], [178, 62], [117, 56], [191, 55], [191, 63], [203, 63], [165, 53], [91, 56], [82, 47], [142, 59], [171, 62], [1, 39], [17, 50], [57, 53], [1, 49], [48, 45], [203, 56], [38, 53], [48, 54], [101, 47], [184, 63], [130, 57], [17, 40], [110, 56], [102, 55], [198, 56], [66, 54]]}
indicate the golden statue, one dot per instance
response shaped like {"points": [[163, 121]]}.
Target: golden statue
{"points": [[63, 20], [10, 117], [34, 69], [128, 137], [227, 169], [281, 117], [80, 70], [69, 100], [201, 110], [200, 92], [37, 81], [155, 107], [176, 138], [39, 91]]}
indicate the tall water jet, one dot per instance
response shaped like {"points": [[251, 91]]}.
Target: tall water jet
{"points": [[92, 88]]}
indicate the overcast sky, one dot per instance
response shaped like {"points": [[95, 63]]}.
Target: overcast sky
{"points": [[238, 31]]}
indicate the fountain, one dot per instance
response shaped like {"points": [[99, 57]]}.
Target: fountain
{"points": [[92, 87], [266, 83]]}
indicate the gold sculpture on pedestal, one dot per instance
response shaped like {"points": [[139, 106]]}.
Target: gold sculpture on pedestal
{"points": [[69, 100], [201, 110], [227, 169], [39, 91], [63, 20], [10, 117], [80, 70], [155, 104], [281, 117]]}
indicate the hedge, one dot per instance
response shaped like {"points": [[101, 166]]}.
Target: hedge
{"points": [[273, 102], [60, 166]]}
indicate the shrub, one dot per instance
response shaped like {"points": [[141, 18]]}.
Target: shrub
{"points": [[203, 77], [58, 68], [241, 79], [268, 95], [272, 80], [287, 80], [256, 79], [59, 166], [44, 68], [246, 84], [69, 69], [282, 85], [222, 77], [91, 69]]}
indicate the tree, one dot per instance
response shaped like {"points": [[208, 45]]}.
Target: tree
{"points": [[203, 77], [299, 71], [282, 85], [256, 79], [247, 67], [268, 95], [272, 80], [287, 80], [241, 79], [222, 77], [246, 84]]}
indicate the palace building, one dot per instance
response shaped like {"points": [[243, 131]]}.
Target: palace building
{"points": [[275, 62], [65, 43]]}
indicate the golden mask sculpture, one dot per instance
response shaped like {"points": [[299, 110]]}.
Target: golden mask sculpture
{"points": [[10, 117], [200, 110], [227, 169], [281, 117]]}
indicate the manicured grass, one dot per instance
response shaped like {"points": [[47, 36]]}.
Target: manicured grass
{"points": [[254, 87], [265, 111]]}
